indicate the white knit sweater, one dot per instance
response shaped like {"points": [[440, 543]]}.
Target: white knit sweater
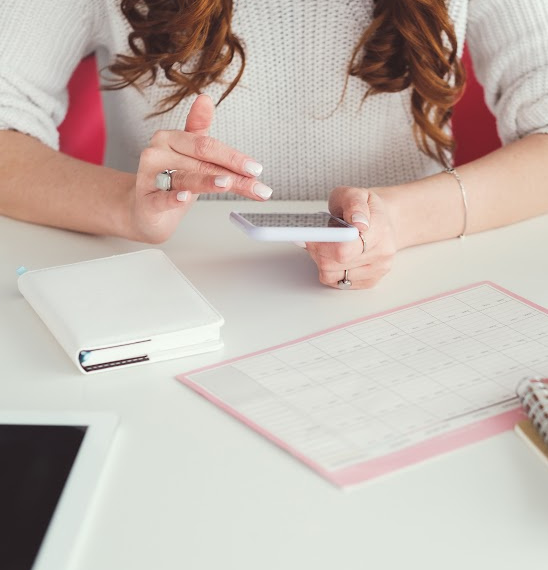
{"points": [[281, 112]]}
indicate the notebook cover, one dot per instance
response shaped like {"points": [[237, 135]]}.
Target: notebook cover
{"points": [[139, 297]]}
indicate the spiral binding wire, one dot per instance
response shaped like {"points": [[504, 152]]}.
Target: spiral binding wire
{"points": [[533, 394]]}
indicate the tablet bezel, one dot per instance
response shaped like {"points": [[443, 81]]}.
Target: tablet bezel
{"points": [[59, 543]]}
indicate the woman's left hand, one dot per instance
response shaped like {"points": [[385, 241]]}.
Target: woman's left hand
{"points": [[366, 261]]}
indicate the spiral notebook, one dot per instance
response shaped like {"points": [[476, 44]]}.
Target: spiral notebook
{"points": [[533, 395], [389, 390]]}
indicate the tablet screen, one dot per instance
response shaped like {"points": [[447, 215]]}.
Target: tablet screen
{"points": [[36, 461]]}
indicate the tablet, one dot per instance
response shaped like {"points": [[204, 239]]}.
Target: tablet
{"points": [[51, 462]]}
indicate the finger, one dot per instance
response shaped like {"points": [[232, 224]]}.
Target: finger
{"points": [[200, 183], [361, 268], [207, 149], [361, 278], [344, 254], [185, 188], [330, 265], [154, 159], [161, 201], [351, 204], [200, 116], [241, 185]]}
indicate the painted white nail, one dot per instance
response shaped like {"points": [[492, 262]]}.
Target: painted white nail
{"points": [[262, 190], [182, 196], [222, 181], [253, 168], [360, 218], [300, 244]]}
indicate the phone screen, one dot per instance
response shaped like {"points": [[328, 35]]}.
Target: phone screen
{"points": [[285, 220]]}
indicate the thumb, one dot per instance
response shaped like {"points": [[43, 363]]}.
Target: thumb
{"points": [[200, 116], [352, 205]]}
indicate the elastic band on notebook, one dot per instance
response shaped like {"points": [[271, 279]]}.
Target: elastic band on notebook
{"points": [[115, 363]]}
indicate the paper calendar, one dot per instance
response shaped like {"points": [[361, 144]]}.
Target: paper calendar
{"points": [[392, 389]]}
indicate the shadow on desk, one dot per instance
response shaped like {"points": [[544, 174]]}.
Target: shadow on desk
{"points": [[295, 268]]}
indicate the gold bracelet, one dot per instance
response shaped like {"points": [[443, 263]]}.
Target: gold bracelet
{"points": [[464, 201]]}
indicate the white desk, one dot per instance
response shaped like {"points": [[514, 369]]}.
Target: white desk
{"points": [[187, 486]]}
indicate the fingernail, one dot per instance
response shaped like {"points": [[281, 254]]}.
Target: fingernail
{"points": [[253, 168], [360, 218], [222, 181], [300, 244], [262, 190], [182, 196]]}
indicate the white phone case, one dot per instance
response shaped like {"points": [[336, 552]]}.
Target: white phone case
{"points": [[286, 233]]}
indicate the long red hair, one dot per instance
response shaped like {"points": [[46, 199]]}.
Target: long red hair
{"points": [[409, 44]]}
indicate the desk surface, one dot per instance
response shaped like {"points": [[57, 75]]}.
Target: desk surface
{"points": [[187, 486]]}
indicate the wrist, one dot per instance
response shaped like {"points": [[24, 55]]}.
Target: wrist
{"points": [[124, 220], [424, 211]]}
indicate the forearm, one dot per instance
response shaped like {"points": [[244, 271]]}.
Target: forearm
{"points": [[503, 187], [40, 185]]}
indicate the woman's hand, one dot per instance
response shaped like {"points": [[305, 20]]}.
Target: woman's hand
{"points": [[367, 262], [202, 164]]}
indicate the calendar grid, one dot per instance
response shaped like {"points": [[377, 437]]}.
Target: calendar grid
{"points": [[386, 383]]}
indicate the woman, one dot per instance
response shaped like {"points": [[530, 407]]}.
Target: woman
{"points": [[346, 99]]}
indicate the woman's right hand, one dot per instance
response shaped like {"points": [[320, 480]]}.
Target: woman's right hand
{"points": [[202, 164]]}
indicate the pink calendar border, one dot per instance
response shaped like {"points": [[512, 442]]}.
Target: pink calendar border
{"points": [[369, 469]]}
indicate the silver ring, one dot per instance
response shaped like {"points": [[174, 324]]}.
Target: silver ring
{"points": [[163, 180], [363, 241], [345, 283]]}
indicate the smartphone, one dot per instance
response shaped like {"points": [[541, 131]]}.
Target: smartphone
{"points": [[319, 226]]}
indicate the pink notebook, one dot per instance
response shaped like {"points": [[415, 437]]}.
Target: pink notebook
{"points": [[392, 389]]}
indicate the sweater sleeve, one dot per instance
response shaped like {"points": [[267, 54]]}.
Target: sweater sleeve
{"points": [[41, 43], [508, 42]]}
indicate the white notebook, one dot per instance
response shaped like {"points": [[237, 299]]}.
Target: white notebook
{"points": [[123, 310]]}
